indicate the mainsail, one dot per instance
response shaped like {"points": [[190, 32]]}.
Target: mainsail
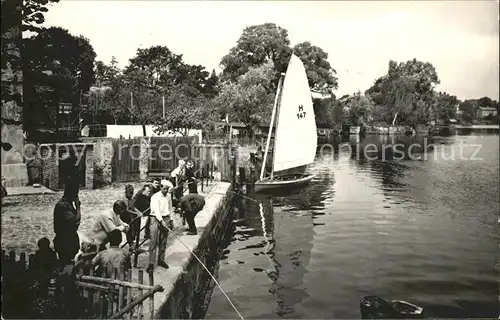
{"points": [[296, 137]]}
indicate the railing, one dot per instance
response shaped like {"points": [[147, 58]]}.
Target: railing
{"points": [[117, 293]]}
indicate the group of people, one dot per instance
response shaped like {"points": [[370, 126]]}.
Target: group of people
{"points": [[156, 203]]}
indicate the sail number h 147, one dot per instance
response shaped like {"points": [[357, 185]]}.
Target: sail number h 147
{"points": [[301, 113]]}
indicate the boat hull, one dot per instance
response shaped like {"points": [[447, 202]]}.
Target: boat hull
{"points": [[263, 186]]}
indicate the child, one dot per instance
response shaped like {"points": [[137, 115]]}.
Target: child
{"points": [[114, 255], [45, 260]]}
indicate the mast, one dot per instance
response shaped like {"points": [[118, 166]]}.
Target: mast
{"points": [[278, 109], [278, 93]]}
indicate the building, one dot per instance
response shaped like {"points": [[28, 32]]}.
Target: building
{"points": [[483, 112]]}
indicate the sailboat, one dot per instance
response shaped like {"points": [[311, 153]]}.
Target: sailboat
{"points": [[295, 138]]}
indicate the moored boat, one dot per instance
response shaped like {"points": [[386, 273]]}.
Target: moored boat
{"points": [[296, 138]]}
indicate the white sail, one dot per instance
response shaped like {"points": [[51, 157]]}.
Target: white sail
{"points": [[296, 136]]}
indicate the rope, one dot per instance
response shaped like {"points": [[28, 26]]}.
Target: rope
{"points": [[208, 271]]}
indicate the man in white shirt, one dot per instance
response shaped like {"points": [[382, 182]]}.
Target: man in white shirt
{"points": [[161, 222]]}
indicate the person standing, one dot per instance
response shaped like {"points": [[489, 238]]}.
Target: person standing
{"points": [[131, 214], [67, 218], [178, 174], [142, 201], [189, 206], [156, 186], [161, 223], [189, 177]]}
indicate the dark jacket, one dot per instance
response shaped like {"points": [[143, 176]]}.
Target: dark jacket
{"points": [[192, 203], [66, 226]]}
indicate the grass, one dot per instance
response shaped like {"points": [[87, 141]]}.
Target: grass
{"points": [[27, 218]]}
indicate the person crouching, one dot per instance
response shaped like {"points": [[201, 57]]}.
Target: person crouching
{"points": [[114, 255], [106, 222], [189, 206]]}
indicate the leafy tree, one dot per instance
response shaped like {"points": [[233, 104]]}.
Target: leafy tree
{"points": [[257, 45], [248, 100], [135, 95], [486, 102], [269, 43], [446, 106], [57, 67], [468, 108], [185, 112], [18, 16], [406, 92], [359, 109], [106, 103], [319, 72], [160, 67]]}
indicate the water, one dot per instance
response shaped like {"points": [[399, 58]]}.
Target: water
{"points": [[424, 231]]}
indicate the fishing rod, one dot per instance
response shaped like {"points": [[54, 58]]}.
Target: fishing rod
{"points": [[208, 271]]}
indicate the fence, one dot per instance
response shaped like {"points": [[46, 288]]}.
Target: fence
{"points": [[125, 162], [166, 151], [116, 293]]}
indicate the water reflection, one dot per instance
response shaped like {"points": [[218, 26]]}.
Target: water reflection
{"points": [[424, 231]]}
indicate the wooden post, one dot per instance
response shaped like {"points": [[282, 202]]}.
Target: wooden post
{"points": [[91, 298], [31, 258], [141, 281], [202, 176], [121, 289], [137, 243], [109, 309], [129, 291], [151, 298], [12, 257], [22, 260], [207, 171], [115, 303], [211, 172]]}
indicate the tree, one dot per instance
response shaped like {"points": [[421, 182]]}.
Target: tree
{"points": [[185, 112], [269, 43], [248, 100], [468, 108], [319, 72], [57, 67], [446, 106], [17, 16], [257, 45], [359, 109], [106, 103], [486, 102], [406, 91]]}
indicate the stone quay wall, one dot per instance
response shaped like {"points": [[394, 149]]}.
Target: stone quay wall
{"points": [[188, 292]]}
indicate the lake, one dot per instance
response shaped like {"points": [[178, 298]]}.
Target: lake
{"points": [[420, 225]]}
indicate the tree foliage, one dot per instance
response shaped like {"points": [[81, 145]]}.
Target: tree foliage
{"points": [[57, 67], [249, 99], [135, 94], [269, 43], [446, 106], [358, 109], [319, 72], [406, 92], [18, 16]]}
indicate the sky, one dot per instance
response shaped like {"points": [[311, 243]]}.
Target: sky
{"points": [[460, 38]]}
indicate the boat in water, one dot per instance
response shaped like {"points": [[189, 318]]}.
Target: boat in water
{"points": [[373, 307], [296, 138]]}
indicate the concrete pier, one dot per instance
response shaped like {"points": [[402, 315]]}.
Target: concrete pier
{"points": [[187, 284]]}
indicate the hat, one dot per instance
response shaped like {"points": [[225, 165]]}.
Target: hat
{"points": [[165, 182]]}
